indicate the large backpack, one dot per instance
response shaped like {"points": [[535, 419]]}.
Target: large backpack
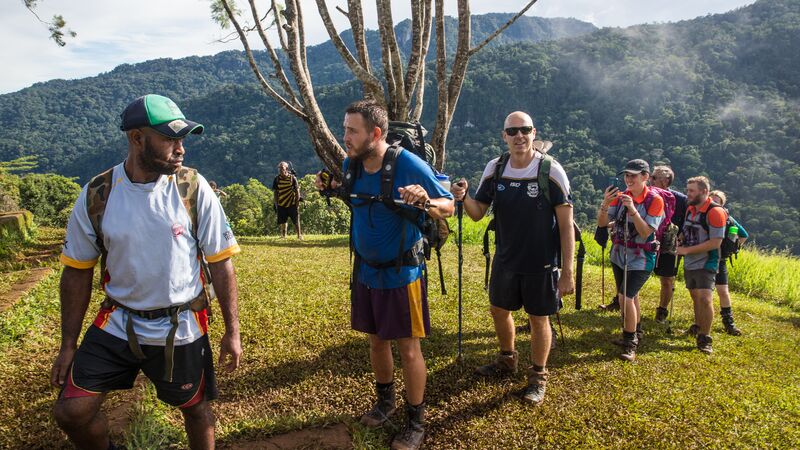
{"points": [[434, 231], [666, 235], [543, 181], [97, 195], [729, 248], [411, 136]]}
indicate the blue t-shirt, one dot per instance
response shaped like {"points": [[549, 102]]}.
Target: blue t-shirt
{"points": [[377, 231]]}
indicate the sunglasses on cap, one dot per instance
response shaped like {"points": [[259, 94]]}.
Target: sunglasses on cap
{"points": [[512, 131]]}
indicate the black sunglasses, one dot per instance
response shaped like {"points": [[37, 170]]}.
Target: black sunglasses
{"points": [[512, 131]]}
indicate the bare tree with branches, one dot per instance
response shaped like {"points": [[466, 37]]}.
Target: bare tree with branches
{"points": [[402, 89]]}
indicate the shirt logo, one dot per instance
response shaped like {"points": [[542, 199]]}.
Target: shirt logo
{"points": [[515, 184], [187, 386], [533, 190], [177, 229], [228, 235], [500, 187]]}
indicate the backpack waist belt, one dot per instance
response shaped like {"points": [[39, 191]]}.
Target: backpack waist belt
{"points": [[414, 256], [651, 246], [197, 304]]}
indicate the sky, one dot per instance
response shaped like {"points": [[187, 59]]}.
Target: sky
{"points": [[113, 32]]}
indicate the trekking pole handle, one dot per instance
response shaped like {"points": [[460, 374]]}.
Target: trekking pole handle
{"points": [[426, 206]]}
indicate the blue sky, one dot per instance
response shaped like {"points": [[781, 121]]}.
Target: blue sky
{"points": [[113, 32]]}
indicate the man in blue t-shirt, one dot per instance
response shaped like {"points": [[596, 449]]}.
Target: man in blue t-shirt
{"points": [[389, 295]]}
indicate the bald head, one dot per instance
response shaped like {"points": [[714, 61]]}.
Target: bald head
{"points": [[518, 119]]}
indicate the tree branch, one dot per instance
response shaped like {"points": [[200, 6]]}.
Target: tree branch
{"points": [[398, 106], [287, 87], [249, 52], [426, 40], [497, 32]]}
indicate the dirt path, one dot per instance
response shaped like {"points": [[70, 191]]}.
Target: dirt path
{"points": [[334, 437], [20, 288]]}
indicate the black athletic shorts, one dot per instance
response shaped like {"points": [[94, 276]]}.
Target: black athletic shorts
{"points": [[537, 292], [287, 213], [635, 282], [722, 273], [105, 363], [665, 265]]}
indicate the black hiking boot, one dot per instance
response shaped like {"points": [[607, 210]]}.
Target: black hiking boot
{"points": [[611, 306], [502, 365], [693, 330], [661, 314], [630, 344], [730, 327], [620, 341], [537, 384], [704, 343], [410, 438], [383, 408]]}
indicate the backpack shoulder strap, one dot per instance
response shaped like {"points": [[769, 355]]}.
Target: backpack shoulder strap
{"points": [[543, 176], [500, 166], [388, 169], [188, 188], [96, 199], [349, 179], [704, 216]]}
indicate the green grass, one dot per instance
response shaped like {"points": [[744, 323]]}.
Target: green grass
{"points": [[303, 366]]}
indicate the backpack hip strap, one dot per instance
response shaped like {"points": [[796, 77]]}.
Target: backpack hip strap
{"points": [[196, 304]]}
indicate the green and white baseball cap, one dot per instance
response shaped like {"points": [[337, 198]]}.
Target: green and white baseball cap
{"points": [[159, 113]]}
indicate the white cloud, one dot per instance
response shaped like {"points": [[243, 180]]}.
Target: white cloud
{"points": [[113, 32]]}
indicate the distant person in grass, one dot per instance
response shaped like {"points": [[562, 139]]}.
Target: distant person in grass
{"points": [[666, 266], [219, 192], [531, 233], [721, 280], [154, 316], [287, 199], [636, 214], [388, 292], [702, 235]]}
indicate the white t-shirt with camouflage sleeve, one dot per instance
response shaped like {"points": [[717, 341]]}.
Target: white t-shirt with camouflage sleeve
{"points": [[152, 256]]}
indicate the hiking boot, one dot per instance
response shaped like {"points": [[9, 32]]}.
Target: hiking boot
{"points": [[693, 330], [502, 365], [630, 344], [661, 314], [410, 438], [383, 408], [730, 327], [620, 341], [704, 343], [537, 384], [612, 306]]}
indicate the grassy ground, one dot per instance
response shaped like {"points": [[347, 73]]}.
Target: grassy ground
{"points": [[303, 366]]}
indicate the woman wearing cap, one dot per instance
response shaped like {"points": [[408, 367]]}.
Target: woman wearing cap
{"points": [[636, 214]]}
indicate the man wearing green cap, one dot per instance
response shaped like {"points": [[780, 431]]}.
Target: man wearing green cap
{"points": [[161, 235]]}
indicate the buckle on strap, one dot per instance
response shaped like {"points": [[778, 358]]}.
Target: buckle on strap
{"points": [[196, 304]]}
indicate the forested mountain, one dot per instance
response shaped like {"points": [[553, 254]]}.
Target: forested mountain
{"points": [[718, 95]]}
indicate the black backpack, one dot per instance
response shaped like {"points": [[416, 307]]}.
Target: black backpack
{"points": [[434, 232], [543, 180], [411, 136], [729, 248]]}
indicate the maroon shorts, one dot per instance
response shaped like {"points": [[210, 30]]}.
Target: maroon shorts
{"points": [[391, 313]]}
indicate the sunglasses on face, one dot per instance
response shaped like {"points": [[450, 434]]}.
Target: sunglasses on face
{"points": [[512, 131]]}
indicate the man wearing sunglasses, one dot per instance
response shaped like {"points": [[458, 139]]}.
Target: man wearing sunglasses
{"points": [[533, 232]]}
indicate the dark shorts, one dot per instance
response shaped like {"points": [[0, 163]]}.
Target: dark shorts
{"points": [[391, 313], [699, 279], [635, 281], [722, 273], [537, 292], [666, 266], [287, 213], [105, 363]]}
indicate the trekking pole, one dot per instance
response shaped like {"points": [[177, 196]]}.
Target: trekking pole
{"points": [[624, 270], [460, 214], [672, 296]]}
